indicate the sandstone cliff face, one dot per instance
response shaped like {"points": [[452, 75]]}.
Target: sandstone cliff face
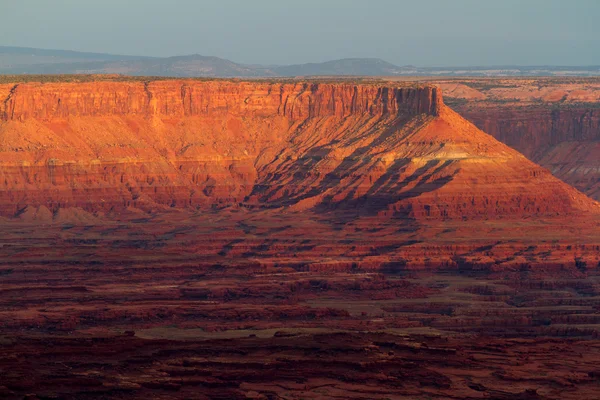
{"points": [[369, 149], [192, 98], [173, 143], [554, 122], [566, 141], [534, 130]]}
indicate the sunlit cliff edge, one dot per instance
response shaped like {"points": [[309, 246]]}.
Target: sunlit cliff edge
{"points": [[386, 150]]}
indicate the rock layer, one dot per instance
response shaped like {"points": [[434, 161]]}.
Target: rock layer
{"points": [[369, 149], [567, 142], [309, 270], [553, 122], [212, 98]]}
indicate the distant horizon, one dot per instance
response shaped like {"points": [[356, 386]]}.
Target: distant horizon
{"points": [[429, 33], [299, 63]]}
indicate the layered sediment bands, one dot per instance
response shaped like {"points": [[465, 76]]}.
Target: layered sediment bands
{"points": [[566, 141], [213, 98], [554, 122], [104, 146], [310, 269], [241, 331], [534, 130], [365, 149], [441, 167]]}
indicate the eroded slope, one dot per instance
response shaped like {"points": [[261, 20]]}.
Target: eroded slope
{"points": [[371, 149], [555, 122]]}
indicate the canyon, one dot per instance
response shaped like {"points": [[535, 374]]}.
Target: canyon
{"points": [[553, 122], [198, 238]]}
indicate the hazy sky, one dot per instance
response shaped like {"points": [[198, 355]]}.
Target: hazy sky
{"points": [[418, 32]]}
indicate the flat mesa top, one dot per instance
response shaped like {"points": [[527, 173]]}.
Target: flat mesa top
{"points": [[88, 78], [373, 80]]}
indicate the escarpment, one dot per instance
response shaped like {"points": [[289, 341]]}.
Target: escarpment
{"points": [[566, 141], [173, 99], [553, 122], [357, 149]]}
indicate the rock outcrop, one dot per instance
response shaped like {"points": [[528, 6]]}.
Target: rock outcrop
{"points": [[553, 122], [372, 149], [173, 98], [565, 141], [173, 143]]}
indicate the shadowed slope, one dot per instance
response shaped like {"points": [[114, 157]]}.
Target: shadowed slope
{"points": [[555, 122], [377, 150], [422, 166]]}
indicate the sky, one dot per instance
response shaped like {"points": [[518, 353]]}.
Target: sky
{"points": [[415, 32]]}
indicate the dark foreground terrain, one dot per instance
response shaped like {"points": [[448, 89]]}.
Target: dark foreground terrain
{"points": [[330, 335], [127, 314]]}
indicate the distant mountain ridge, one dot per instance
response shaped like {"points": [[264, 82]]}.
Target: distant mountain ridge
{"points": [[25, 60], [346, 66]]}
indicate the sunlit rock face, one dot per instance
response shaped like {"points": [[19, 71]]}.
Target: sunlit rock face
{"points": [[553, 122], [370, 149]]}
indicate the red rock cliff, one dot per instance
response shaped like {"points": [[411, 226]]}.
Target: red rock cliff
{"points": [[553, 121], [191, 98], [564, 140], [382, 150]]}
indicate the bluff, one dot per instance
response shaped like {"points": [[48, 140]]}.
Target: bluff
{"points": [[355, 149], [564, 140], [554, 122]]}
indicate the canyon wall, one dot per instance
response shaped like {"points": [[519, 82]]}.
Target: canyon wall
{"points": [[554, 122], [108, 145], [377, 150], [194, 98], [566, 140], [535, 130]]}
